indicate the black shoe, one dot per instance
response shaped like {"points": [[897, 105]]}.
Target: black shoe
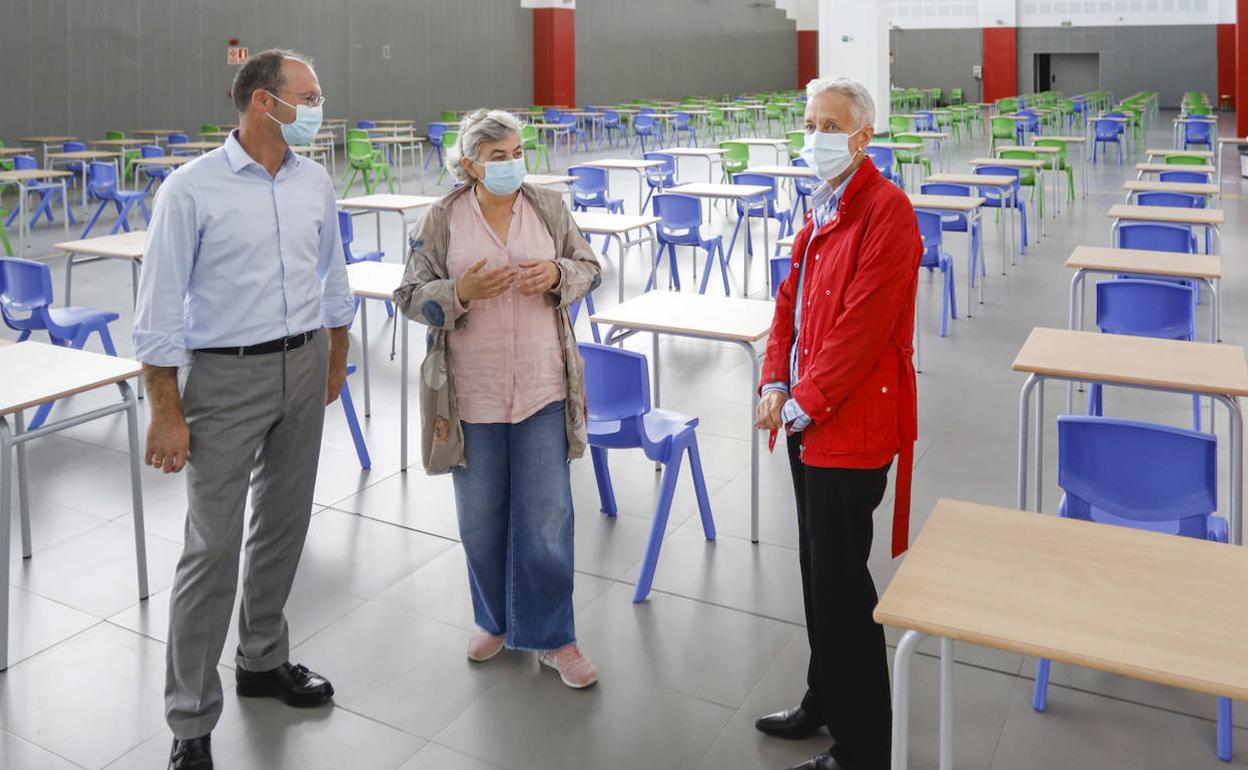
{"points": [[793, 724], [292, 685], [191, 754], [822, 762]]}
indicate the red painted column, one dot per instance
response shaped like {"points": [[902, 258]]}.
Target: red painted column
{"points": [[1226, 63], [1001, 62], [554, 56], [1241, 68], [807, 56]]}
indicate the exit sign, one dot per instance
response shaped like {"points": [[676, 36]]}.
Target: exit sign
{"points": [[235, 54]]}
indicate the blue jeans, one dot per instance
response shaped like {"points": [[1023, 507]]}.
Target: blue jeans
{"points": [[514, 500]]}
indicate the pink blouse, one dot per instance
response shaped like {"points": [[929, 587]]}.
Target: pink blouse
{"points": [[507, 363]]}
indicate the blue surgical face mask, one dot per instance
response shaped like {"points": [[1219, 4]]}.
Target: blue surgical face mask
{"points": [[827, 154], [503, 177], [305, 126]]}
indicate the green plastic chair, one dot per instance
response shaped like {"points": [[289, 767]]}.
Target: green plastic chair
{"points": [[945, 122], [449, 116], [6, 164], [736, 158], [716, 122], [898, 124], [775, 113], [362, 159], [1059, 163], [209, 128], [1008, 104], [126, 166], [1027, 177], [911, 157], [529, 142], [1003, 128], [449, 139], [797, 139], [955, 95]]}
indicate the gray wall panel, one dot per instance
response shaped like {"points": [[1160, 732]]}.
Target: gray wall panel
{"points": [[666, 49], [937, 58]]}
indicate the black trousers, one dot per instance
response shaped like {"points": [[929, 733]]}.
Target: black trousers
{"points": [[847, 681]]}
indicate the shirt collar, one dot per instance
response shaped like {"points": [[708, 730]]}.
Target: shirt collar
{"points": [[827, 195], [239, 159]]}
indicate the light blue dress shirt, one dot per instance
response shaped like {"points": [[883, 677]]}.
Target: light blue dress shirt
{"points": [[824, 201], [236, 257]]}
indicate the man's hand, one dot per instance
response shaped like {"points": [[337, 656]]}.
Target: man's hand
{"points": [[478, 283], [539, 277], [767, 413], [168, 437], [339, 343]]}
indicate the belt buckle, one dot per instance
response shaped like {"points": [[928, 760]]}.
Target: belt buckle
{"points": [[286, 344]]}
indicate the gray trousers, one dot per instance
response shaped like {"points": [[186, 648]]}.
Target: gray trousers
{"points": [[254, 420]]}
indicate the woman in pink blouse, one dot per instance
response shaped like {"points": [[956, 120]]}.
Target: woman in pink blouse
{"points": [[492, 272]]}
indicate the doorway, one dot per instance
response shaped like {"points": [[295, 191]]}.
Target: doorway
{"points": [[1070, 73]]}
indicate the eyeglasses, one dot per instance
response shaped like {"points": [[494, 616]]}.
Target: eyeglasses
{"points": [[316, 100]]}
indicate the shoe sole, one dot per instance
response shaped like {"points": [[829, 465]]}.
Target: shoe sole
{"points": [[491, 656], [253, 691], [564, 679]]}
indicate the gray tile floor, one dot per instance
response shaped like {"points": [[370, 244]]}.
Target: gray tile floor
{"points": [[381, 602]]}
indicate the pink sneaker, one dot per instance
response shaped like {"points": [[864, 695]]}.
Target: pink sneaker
{"points": [[483, 646], [576, 670]]}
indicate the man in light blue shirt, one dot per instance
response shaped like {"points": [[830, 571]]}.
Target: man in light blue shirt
{"points": [[242, 273]]}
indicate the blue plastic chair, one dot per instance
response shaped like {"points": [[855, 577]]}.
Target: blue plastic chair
{"points": [[574, 309], [659, 178], [995, 198], [153, 173], [643, 128], [884, 160], [682, 126], [572, 132], [953, 222], [762, 206], [589, 190], [346, 228], [935, 258], [803, 188], [612, 128], [353, 420], [551, 114], [1198, 133], [74, 166], [365, 124], [617, 389], [1144, 307], [681, 225], [102, 186], [26, 306], [1030, 126], [1143, 476], [1178, 200], [1193, 177], [1107, 132], [49, 194], [436, 130]]}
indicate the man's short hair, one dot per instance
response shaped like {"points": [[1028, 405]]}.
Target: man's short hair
{"points": [[262, 72], [861, 103]]}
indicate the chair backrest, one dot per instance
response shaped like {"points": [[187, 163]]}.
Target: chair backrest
{"points": [[797, 140], [1107, 129], [1194, 177], [436, 130], [735, 152], [758, 180], [101, 179], [25, 286], [930, 231], [359, 149], [678, 211], [177, 139], [641, 122], [1157, 236], [24, 162], [152, 151], [1060, 144], [551, 115], [209, 128], [1198, 132], [666, 172], [357, 133], [114, 135], [897, 123], [73, 147], [365, 124], [1137, 472], [611, 117], [883, 159], [1185, 160], [588, 180], [681, 121], [1180, 200], [1146, 308], [945, 188], [450, 138], [617, 382], [805, 184], [346, 228], [449, 116]]}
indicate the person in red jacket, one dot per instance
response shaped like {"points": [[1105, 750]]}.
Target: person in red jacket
{"points": [[839, 381]]}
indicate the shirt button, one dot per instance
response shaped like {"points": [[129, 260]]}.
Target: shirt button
{"points": [[884, 390], [828, 293], [827, 409], [816, 257]]}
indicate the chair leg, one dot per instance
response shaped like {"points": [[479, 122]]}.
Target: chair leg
{"points": [[91, 222], [658, 528], [602, 474], [1226, 745], [353, 424], [699, 488], [1040, 695]]}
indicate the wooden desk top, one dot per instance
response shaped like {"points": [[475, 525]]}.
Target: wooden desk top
{"points": [[1028, 148], [30, 174], [397, 139], [760, 141], [929, 134], [388, 130], [905, 146], [163, 160], [1167, 263], [710, 190], [1068, 139], [986, 180], [1178, 365], [1157, 168], [214, 134], [393, 122], [40, 373], [1197, 119], [1160, 153], [1176, 214], [158, 131], [945, 202], [47, 139], [120, 142], [7, 151], [1148, 185], [1010, 162], [386, 202], [120, 246], [1232, 140], [308, 149], [787, 241], [592, 222], [374, 280], [1146, 605], [82, 155], [545, 180], [702, 315], [195, 146], [786, 171], [704, 152], [623, 163]]}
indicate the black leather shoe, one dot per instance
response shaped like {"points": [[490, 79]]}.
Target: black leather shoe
{"points": [[821, 762], [191, 754], [793, 724], [293, 685]]}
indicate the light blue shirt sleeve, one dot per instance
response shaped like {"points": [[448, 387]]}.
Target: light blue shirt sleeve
{"points": [[777, 385], [792, 412], [168, 257], [337, 302]]}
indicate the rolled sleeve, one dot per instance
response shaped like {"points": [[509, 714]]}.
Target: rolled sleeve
{"points": [[777, 385], [169, 252], [337, 302], [794, 416]]}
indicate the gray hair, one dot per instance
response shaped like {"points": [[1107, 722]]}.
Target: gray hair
{"points": [[476, 129], [861, 103], [262, 72]]}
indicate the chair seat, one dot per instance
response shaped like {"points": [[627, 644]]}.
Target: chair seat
{"points": [[368, 256], [129, 195], [76, 316], [660, 427]]}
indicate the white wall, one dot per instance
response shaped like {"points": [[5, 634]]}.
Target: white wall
{"points": [[958, 14]]}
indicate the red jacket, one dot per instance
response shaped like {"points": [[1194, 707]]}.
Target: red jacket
{"points": [[857, 329]]}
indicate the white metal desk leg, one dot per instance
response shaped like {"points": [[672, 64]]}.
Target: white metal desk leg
{"points": [[402, 391], [6, 499], [754, 366], [23, 496], [1236, 518], [946, 704], [136, 486], [1024, 423], [1039, 459], [901, 698], [368, 403]]}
